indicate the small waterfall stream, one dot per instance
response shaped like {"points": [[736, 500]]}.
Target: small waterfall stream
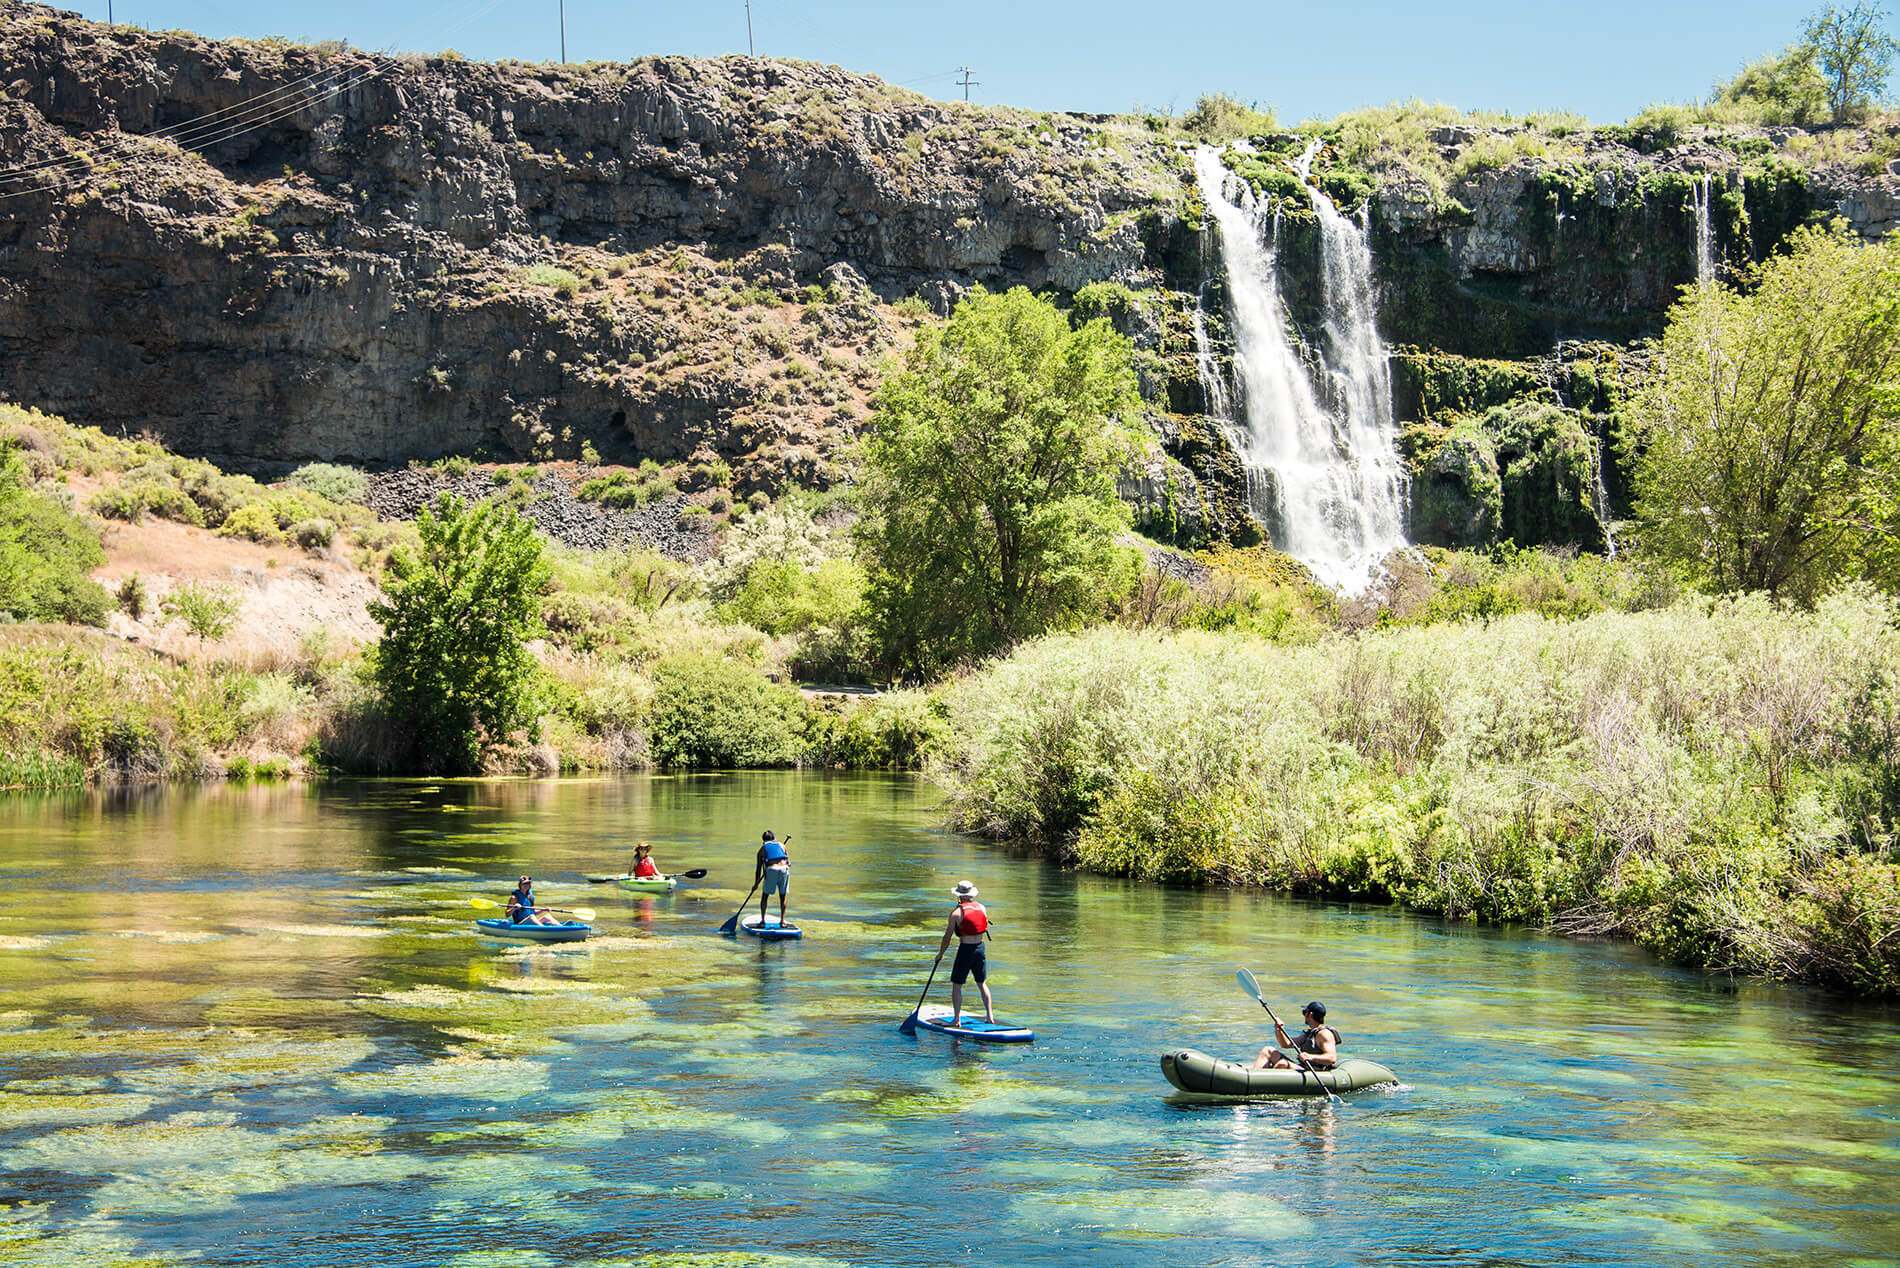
{"points": [[1321, 456], [1700, 195]]}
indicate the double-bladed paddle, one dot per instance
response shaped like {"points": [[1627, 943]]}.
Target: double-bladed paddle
{"points": [[1252, 988], [696, 873], [909, 1026], [582, 913]]}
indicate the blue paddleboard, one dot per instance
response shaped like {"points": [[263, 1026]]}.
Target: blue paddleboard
{"points": [[769, 929], [937, 1017]]}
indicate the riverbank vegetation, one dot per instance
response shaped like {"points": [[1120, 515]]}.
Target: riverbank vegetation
{"points": [[1716, 779]]}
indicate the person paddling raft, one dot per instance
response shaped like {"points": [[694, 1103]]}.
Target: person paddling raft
{"points": [[773, 874], [969, 925], [644, 868], [521, 908], [1318, 1041]]}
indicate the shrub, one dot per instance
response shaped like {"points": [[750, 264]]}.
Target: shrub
{"points": [[133, 600], [253, 523], [313, 534], [46, 556], [331, 482], [720, 714], [208, 612]]}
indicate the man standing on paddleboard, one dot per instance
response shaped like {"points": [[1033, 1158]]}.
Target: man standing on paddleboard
{"points": [[969, 925], [774, 873]]}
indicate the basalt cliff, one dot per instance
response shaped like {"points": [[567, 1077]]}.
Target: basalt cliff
{"points": [[268, 253]]}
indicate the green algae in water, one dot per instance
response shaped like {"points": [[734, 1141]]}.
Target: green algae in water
{"points": [[468, 1077], [731, 1259], [846, 1176], [497, 1189], [1177, 1212], [249, 1063], [67, 1109], [26, 1241]]}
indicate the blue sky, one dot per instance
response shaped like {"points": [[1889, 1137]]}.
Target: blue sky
{"points": [[1605, 60]]}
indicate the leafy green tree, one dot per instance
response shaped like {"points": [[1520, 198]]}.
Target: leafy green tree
{"points": [[709, 712], [1855, 55], [990, 511], [1766, 453], [1785, 87], [46, 554], [454, 660]]}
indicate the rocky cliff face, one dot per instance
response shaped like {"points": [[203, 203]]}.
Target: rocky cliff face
{"points": [[267, 253]]}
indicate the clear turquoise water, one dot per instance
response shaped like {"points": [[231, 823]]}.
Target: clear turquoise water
{"points": [[255, 1025]]}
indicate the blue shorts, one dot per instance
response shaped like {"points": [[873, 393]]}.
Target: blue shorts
{"points": [[777, 880], [970, 961]]}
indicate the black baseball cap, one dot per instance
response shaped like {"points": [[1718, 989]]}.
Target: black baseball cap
{"points": [[1317, 1009]]}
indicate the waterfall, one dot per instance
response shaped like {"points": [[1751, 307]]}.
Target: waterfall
{"points": [[1699, 195], [1319, 449]]}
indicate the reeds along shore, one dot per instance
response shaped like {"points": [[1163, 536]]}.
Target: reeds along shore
{"points": [[1716, 780]]}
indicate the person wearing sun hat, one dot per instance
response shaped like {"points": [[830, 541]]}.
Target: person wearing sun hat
{"points": [[969, 925]]}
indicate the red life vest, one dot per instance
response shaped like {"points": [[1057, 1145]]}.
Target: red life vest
{"points": [[971, 919], [645, 867]]}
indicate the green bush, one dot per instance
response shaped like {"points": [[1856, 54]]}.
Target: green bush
{"points": [[628, 489], [330, 482], [46, 556], [1669, 777], [720, 714], [253, 523]]}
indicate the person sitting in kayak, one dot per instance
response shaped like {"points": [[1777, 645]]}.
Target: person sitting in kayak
{"points": [[969, 925], [1318, 1041], [521, 908], [773, 875], [644, 868]]}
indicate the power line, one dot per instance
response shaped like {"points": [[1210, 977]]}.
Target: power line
{"points": [[968, 83]]}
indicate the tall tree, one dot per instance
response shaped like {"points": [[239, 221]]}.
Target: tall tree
{"points": [[1855, 55], [1767, 450], [990, 511], [453, 662]]}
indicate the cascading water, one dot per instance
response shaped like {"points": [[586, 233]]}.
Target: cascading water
{"points": [[1323, 467], [1704, 230]]}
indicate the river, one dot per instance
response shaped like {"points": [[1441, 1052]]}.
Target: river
{"points": [[254, 1024]]}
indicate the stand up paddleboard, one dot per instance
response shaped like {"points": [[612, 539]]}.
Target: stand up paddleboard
{"points": [[768, 928], [937, 1017]]}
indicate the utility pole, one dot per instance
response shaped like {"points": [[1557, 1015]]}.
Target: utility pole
{"points": [[563, 32], [750, 51], [966, 72]]}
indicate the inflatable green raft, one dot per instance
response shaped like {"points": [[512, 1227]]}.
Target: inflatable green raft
{"points": [[1197, 1072]]}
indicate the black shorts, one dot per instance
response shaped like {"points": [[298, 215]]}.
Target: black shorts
{"points": [[970, 960]]}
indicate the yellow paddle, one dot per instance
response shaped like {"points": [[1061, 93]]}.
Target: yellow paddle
{"points": [[579, 913]]}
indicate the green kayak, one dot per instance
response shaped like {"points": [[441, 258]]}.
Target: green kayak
{"points": [[647, 884], [1203, 1075]]}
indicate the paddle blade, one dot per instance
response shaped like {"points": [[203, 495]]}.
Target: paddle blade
{"points": [[910, 1025], [695, 874], [1248, 984], [581, 913], [601, 880], [483, 903], [731, 925]]}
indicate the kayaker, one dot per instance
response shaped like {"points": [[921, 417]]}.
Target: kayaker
{"points": [[644, 868], [521, 908], [969, 925], [1318, 1041], [773, 874]]}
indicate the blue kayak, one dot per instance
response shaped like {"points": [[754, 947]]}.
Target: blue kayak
{"points": [[769, 929], [572, 931], [937, 1017]]}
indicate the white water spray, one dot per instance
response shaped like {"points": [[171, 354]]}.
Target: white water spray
{"points": [[1699, 195], [1321, 456]]}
